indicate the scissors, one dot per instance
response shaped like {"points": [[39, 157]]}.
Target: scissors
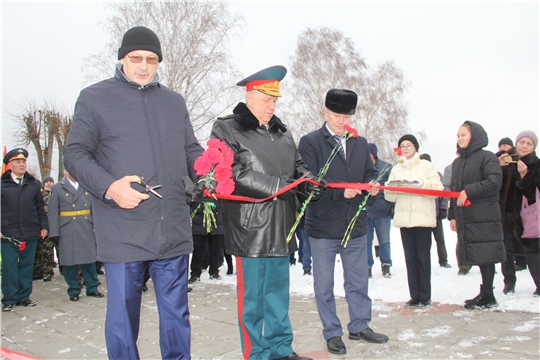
{"points": [[149, 188]]}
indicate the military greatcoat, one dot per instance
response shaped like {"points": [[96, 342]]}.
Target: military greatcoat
{"points": [[70, 219]]}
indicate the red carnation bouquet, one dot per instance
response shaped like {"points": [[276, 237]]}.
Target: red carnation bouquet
{"points": [[17, 242], [214, 168]]}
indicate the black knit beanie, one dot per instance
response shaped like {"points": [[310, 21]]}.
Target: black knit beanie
{"points": [[373, 150], [140, 38], [411, 138]]}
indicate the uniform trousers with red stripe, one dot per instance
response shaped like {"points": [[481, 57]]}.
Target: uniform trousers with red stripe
{"points": [[263, 307]]}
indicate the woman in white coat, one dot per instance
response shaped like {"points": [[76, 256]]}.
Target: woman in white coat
{"points": [[415, 216]]}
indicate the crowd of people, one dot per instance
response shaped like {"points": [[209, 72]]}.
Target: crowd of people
{"points": [[128, 201]]}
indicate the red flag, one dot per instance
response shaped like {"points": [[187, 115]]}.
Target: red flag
{"points": [[4, 166]]}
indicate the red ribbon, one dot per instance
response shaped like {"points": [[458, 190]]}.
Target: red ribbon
{"points": [[356, 186], [13, 355]]}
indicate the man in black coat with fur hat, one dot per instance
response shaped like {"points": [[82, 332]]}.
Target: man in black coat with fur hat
{"points": [[328, 218]]}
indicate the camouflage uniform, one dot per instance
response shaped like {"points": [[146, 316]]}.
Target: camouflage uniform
{"points": [[44, 263]]}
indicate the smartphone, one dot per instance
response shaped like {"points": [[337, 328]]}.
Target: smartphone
{"points": [[511, 159]]}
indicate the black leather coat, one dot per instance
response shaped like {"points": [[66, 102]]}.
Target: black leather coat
{"points": [[261, 157]]}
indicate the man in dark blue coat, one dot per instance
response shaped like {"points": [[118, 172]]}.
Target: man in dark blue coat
{"points": [[129, 131], [328, 218], [24, 219]]}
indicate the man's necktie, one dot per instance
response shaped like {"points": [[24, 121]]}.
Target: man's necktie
{"points": [[341, 149], [19, 181]]}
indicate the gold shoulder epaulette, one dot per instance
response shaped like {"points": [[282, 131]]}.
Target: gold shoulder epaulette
{"points": [[225, 117]]}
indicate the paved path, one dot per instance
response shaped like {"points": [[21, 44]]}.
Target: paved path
{"points": [[60, 329]]}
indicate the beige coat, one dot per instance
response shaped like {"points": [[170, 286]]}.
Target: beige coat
{"points": [[414, 210]]}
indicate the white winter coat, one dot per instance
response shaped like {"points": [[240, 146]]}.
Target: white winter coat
{"points": [[414, 210]]}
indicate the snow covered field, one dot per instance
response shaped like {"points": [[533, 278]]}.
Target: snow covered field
{"points": [[447, 286]]}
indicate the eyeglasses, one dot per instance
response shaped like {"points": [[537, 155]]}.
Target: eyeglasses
{"points": [[136, 59], [406, 147]]}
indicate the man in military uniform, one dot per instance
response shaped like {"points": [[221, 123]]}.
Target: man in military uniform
{"points": [[265, 158], [70, 219], [44, 263], [23, 219]]}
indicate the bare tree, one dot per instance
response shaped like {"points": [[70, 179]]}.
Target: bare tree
{"points": [[382, 110], [194, 37], [38, 125], [325, 58], [64, 124]]}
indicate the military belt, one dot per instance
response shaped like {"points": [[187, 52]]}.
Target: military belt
{"points": [[75, 213]]}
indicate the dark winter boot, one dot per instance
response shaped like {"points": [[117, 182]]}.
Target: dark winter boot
{"points": [[486, 300], [509, 288], [475, 299]]}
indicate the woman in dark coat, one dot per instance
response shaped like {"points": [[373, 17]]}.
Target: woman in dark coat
{"points": [[476, 173], [520, 179]]}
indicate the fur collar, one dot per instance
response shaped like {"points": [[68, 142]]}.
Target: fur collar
{"points": [[250, 122], [530, 159]]}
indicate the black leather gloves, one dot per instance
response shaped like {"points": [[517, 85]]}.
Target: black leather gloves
{"points": [[306, 188], [195, 192]]}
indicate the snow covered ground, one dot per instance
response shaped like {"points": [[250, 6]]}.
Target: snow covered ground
{"points": [[447, 286]]}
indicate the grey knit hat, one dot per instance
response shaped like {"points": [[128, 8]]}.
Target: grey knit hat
{"points": [[530, 134]]}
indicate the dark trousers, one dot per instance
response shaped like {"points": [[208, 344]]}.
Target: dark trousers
{"points": [[200, 251], [508, 268], [355, 275], [520, 260], [438, 234], [417, 248], [17, 268], [124, 293], [71, 275], [306, 249]]}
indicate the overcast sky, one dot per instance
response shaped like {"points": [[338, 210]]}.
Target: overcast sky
{"points": [[465, 61]]}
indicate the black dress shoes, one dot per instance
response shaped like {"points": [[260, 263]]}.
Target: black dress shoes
{"points": [[8, 307], [336, 346], [294, 356], [369, 336], [95, 294], [413, 302], [26, 303], [74, 297]]}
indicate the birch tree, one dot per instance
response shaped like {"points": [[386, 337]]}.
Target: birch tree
{"points": [[194, 38]]}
